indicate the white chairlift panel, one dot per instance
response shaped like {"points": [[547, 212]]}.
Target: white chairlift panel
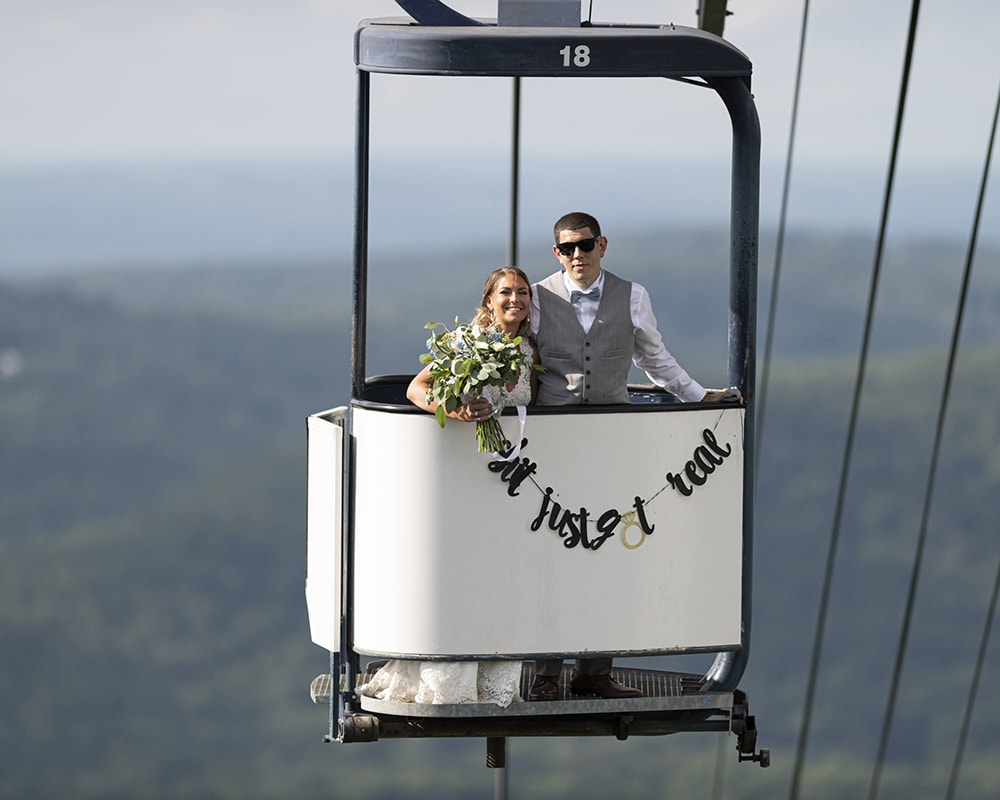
{"points": [[325, 526], [448, 562]]}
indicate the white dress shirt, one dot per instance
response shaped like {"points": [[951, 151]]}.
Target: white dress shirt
{"points": [[651, 355]]}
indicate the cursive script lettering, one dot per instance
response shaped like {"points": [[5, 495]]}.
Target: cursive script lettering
{"points": [[704, 460], [572, 526], [576, 528], [640, 511], [513, 473]]}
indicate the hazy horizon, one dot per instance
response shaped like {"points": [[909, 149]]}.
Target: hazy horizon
{"points": [[73, 216]]}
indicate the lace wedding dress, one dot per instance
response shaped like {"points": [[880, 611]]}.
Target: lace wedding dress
{"points": [[520, 395]]}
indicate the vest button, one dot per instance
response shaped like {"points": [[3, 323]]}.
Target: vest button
{"points": [[586, 344]]}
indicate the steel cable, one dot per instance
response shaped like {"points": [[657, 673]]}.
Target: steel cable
{"points": [[929, 490], [977, 670], [852, 425], [973, 690], [780, 244]]}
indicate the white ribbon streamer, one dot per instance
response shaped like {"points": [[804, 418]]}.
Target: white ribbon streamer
{"points": [[522, 413]]}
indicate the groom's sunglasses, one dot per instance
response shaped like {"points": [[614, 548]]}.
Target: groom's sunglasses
{"points": [[586, 245]]}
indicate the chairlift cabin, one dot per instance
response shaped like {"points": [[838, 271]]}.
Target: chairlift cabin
{"points": [[648, 554]]}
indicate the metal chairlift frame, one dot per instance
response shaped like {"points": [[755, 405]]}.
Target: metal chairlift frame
{"points": [[398, 46]]}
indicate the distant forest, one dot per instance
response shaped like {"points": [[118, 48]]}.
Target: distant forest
{"points": [[152, 526]]}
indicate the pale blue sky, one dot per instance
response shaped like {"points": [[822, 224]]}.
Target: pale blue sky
{"points": [[132, 83], [135, 79]]}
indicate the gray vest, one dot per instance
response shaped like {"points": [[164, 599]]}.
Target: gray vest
{"points": [[584, 367]]}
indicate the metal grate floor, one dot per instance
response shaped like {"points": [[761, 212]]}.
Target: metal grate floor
{"points": [[661, 691]]}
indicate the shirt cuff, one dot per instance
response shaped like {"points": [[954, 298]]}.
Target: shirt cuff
{"points": [[693, 392]]}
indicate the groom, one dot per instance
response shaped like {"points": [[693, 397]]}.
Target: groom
{"points": [[590, 326]]}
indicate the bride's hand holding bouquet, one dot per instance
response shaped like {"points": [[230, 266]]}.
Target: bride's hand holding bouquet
{"points": [[464, 363], [471, 371]]}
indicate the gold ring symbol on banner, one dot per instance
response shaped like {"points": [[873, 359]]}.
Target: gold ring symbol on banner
{"points": [[630, 521]]}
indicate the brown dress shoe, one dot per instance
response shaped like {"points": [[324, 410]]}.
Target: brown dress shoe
{"points": [[544, 688], [601, 686]]}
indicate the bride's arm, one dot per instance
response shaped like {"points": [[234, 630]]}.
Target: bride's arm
{"points": [[416, 393]]}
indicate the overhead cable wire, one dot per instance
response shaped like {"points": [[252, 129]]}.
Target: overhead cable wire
{"points": [[773, 301], [984, 642], [852, 424], [929, 489], [970, 704], [780, 245]]}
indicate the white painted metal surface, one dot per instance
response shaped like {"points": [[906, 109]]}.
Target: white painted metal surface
{"points": [[325, 526], [455, 557]]}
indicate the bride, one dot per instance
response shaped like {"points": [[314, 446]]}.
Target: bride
{"points": [[505, 306]]}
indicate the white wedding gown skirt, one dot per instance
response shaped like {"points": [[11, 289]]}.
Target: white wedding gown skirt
{"points": [[445, 682]]}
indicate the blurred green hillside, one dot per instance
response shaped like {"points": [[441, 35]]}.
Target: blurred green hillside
{"points": [[152, 530]]}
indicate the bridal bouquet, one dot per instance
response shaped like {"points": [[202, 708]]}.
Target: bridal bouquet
{"points": [[464, 363]]}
